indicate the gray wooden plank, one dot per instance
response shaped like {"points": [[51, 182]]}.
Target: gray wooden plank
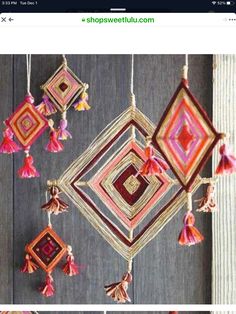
{"points": [[165, 272], [6, 186]]}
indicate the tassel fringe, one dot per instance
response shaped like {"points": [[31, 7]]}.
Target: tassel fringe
{"points": [[8, 146], [82, 104], [29, 266], [46, 107], [70, 268], [48, 289], [54, 145], [227, 164], [63, 134], [55, 205], [189, 234], [28, 170], [118, 291], [153, 165]]}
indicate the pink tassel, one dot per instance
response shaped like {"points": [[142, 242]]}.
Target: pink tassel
{"points": [[189, 234], [54, 145], [8, 146], [46, 107], [47, 289], [29, 266], [82, 104], [153, 165], [118, 291], [28, 170], [70, 268], [63, 134], [227, 164]]}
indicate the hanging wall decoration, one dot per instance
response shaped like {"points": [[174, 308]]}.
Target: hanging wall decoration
{"points": [[142, 177], [63, 90], [47, 249], [186, 137], [131, 181], [27, 123]]}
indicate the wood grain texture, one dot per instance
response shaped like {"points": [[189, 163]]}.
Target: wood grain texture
{"points": [[163, 271], [6, 186], [224, 235]]}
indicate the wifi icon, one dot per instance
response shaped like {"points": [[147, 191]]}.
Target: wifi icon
{"points": [[213, 2]]}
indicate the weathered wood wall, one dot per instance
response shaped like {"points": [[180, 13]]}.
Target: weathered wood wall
{"points": [[164, 272]]}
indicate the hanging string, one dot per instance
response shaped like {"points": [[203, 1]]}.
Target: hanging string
{"points": [[48, 213], [132, 99], [28, 69], [186, 60], [133, 136], [64, 60], [132, 75], [185, 69]]}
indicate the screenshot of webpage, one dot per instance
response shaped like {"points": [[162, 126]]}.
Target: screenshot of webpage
{"points": [[117, 120]]}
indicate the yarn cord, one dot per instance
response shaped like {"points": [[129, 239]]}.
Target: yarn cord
{"points": [[28, 71]]}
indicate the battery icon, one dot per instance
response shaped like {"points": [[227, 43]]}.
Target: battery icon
{"points": [[230, 2]]}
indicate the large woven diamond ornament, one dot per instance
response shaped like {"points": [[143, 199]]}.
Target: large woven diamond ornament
{"points": [[185, 136], [111, 174]]}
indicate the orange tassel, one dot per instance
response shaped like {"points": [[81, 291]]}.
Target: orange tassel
{"points": [[189, 234], [29, 266], [118, 291], [153, 165]]}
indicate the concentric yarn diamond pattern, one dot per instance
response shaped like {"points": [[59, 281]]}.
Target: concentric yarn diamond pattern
{"points": [[185, 136], [47, 249], [127, 196], [27, 124], [110, 184], [63, 88]]}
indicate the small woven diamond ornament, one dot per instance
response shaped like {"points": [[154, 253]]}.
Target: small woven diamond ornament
{"points": [[46, 251], [63, 90], [26, 123]]}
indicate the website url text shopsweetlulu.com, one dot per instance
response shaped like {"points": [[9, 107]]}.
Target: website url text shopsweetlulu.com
{"points": [[124, 19]]}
